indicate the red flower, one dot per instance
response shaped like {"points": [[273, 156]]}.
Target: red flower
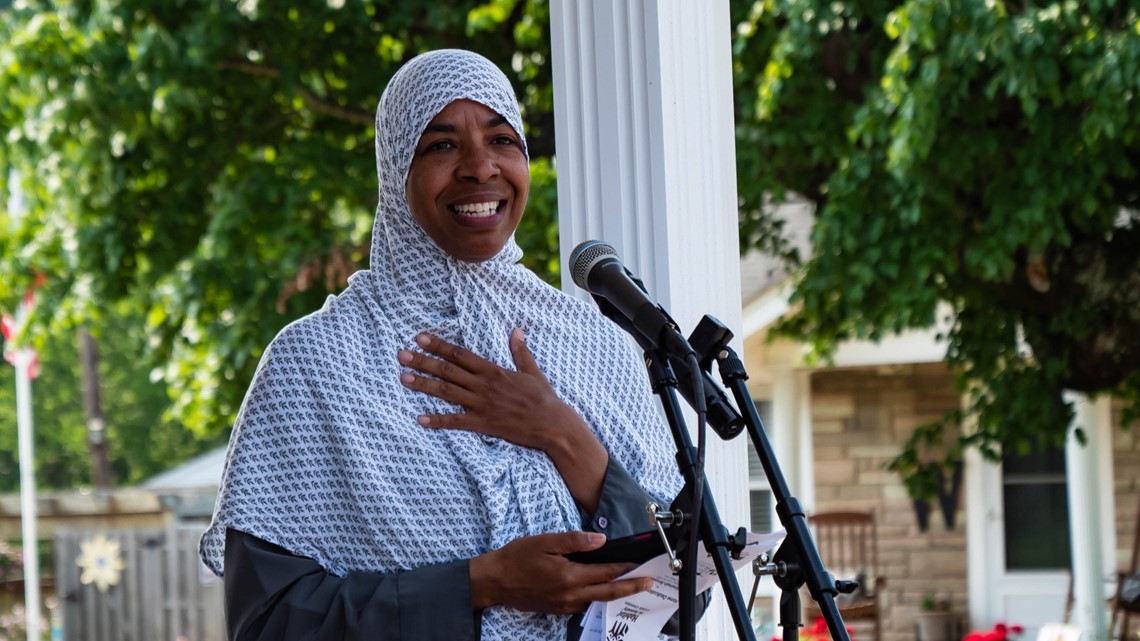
{"points": [[817, 631], [1000, 632]]}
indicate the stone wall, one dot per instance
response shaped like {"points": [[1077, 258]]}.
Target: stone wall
{"points": [[1126, 494], [860, 418]]}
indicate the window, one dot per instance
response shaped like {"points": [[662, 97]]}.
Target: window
{"points": [[759, 494], [760, 502], [1036, 510]]}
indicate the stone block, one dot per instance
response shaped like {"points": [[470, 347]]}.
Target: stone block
{"points": [[829, 452], [939, 564], [878, 477], [834, 473], [887, 450], [832, 406], [828, 425], [826, 494], [896, 491]]}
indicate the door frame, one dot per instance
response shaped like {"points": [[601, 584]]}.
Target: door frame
{"points": [[1023, 597]]}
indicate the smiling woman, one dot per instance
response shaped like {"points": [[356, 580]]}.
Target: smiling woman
{"points": [[468, 182], [416, 459]]}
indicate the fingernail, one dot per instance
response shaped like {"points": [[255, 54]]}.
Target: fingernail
{"points": [[423, 340], [404, 356], [646, 584], [407, 378], [519, 334], [423, 420], [596, 538]]}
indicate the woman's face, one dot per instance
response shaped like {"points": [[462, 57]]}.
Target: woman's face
{"points": [[468, 182]]}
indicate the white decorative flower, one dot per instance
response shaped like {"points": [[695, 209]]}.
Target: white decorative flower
{"points": [[102, 562]]}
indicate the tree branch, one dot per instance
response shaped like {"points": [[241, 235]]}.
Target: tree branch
{"points": [[336, 111], [312, 101], [250, 68]]}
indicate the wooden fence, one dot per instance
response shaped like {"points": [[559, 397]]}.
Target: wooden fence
{"points": [[164, 593]]}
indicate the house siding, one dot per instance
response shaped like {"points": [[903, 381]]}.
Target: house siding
{"points": [[860, 418], [1126, 481]]}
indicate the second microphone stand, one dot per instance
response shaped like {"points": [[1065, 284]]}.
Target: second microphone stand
{"points": [[797, 561]]}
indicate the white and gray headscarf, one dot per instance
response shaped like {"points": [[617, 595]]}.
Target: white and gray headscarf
{"points": [[326, 458]]}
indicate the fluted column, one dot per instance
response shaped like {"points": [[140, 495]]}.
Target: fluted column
{"points": [[1085, 464], [646, 162]]}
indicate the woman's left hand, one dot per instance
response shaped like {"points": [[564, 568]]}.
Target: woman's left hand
{"points": [[518, 406]]}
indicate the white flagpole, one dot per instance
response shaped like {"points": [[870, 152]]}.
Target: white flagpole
{"points": [[24, 357]]}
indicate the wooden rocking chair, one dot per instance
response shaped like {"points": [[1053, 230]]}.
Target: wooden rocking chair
{"points": [[848, 547], [1123, 609]]}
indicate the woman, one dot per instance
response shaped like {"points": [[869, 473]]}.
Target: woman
{"points": [[414, 460]]}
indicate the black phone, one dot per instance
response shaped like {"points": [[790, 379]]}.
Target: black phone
{"points": [[636, 548]]}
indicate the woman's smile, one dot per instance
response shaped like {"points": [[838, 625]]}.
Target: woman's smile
{"points": [[479, 210]]}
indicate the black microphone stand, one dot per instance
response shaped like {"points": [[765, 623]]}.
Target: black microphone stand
{"points": [[718, 542], [797, 562]]}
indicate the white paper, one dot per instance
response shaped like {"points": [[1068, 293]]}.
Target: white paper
{"points": [[640, 617]]}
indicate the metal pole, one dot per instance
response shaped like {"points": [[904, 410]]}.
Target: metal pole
{"points": [[23, 361], [93, 408]]}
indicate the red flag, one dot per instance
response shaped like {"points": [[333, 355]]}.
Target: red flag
{"points": [[11, 329], [34, 365], [8, 325]]}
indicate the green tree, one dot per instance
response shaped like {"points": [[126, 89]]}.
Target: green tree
{"points": [[981, 154], [143, 442], [210, 165]]}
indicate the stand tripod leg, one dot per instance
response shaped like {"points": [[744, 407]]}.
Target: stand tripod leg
{"points": [[798, 549]]}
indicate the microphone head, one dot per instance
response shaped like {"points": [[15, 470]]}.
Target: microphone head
{"points": [[585, 256]]}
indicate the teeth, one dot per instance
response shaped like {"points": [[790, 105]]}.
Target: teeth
{"points": [[477, 210]]}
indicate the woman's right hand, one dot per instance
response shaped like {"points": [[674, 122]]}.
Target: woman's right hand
{"points": [[519, 406], [532, 574]]}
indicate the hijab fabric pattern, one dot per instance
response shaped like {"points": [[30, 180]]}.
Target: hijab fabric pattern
{"points": [[326, 458]]}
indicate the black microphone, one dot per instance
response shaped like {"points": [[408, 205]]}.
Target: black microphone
{"points": [[596, 268], [621, 297]]}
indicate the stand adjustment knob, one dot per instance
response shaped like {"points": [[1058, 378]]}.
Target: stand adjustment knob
{"points": [[657, 517]]}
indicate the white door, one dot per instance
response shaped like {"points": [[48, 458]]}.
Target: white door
{"points": [[1018, 553], [1016, 572]]}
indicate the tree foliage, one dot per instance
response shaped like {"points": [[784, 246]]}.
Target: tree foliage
{"points": [[210, 165], [976, 154], [142, 442]]}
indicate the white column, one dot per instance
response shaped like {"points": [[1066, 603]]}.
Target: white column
{"points": [[790, 432], [805, 490], [1085, 511], [982, 514], [646, 163]]}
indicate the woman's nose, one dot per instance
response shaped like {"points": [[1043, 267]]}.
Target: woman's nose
{"points": [[478, 163]]}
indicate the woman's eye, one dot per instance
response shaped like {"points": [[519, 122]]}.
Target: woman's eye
{"points": [[505, 140], [439, 145]]}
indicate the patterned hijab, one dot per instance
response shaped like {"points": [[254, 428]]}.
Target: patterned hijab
{"points": [[326, 458]]}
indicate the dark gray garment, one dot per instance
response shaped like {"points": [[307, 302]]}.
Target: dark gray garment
{"points": [[272, 594]]}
